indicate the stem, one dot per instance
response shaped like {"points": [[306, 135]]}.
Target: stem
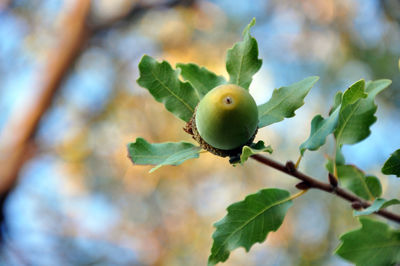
{"points": [[291, 170], [335, 174], [298, 161], [298, 194]]}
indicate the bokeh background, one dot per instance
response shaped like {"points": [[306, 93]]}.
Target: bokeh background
{"points": [[69, 104]]}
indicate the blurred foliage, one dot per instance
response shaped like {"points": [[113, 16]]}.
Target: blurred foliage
{"points": [[80, 201]]}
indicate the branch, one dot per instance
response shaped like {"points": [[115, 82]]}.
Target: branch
{"points": [[308, 181]]}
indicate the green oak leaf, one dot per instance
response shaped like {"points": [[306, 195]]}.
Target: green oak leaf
{"points": [[357, 111], [254, 148], [159, 154], [320, 129], [329, 165], [337, 102], [248, 222], [163, 83], [242, 60], [284, 102], [374, 185], [354, 93], [339, 156], [392, 165], [375, 243], [201, 78], [376, 206], [339, 161], [354, 179]]}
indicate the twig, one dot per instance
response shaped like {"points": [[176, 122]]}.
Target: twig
{"points": [[291, 170]]}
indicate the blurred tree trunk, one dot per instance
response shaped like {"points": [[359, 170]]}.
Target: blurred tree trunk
{"points": [[74, 33], [20, 129]]}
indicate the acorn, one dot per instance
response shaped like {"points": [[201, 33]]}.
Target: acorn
{"points": [[225, 120]]}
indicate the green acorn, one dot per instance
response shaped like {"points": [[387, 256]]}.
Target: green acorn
{"points": [[225, 120]]}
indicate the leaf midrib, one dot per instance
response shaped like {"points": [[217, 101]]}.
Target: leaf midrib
{"points": [[240, 64], [348, 119], [364, 184], [166, 156]]}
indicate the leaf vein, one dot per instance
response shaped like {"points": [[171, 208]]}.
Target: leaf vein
{"points": [[250, 220], [170, 91]]}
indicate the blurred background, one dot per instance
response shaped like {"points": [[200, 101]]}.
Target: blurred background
{"points": [[69, 104]]}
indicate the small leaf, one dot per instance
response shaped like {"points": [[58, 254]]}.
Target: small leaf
{"points": [[254, 148], [163, 83], [340, 160], [284, 102], [337, 102], [329, 165], [248, 222], [350, 102], [377, 205], [374, 185], [354, 93], [320, 129], [353, 179], [242, 59], [159, 154], [201, 79], [392, 165], [357, 111], [373, 244]]}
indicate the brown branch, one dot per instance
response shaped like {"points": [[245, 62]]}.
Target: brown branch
{"points": [[291, 170]]}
